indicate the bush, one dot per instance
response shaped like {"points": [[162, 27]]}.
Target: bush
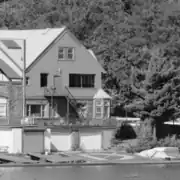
{"points": [[124, 131], [149, 143]]}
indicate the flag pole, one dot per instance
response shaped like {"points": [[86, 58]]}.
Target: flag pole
{"points": [[24, 79]]}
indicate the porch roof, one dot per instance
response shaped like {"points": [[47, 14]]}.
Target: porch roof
{"points": [[82, 93]]}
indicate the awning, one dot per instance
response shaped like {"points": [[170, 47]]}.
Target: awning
{"points": [[8, 71]]}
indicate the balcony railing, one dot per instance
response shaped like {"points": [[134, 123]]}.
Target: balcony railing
{"points": [[28, 121]]}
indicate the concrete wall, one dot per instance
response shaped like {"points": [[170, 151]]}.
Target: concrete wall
{"points": [[83, 63], [47, 140], [6, 139], [87, 138], [107, 137], [58, 139], [61, 140], [17, 134], [12, 138]]}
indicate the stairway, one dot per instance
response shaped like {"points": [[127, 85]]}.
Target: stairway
{"points": [[74, 104]]}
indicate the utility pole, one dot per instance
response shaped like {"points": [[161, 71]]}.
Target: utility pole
{"points": [[24, 78]]}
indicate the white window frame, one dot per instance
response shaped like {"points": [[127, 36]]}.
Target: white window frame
{"points": [[3, 105], [42, 109], [62, 53], [99, 104], [72, 53], [65, 53]]}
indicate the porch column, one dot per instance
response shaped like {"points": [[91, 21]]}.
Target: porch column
{"points": [[67, 110]]}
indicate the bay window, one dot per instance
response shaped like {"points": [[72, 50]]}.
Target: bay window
{"points": [[102, 108]]}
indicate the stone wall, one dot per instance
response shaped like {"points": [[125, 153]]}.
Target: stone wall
{"points": [[13, 92]]}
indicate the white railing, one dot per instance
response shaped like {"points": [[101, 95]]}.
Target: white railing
{"points": [[28, 121]]}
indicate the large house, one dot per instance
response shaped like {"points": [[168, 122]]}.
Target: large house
{"points": [[63, 78]]}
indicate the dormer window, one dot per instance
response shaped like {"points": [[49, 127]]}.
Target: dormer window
{"points": [[65, 53]]}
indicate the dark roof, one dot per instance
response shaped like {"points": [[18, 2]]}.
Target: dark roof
{"points": [[10, 44], [8, 71]]}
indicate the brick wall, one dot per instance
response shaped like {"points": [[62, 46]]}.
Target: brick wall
{"points": [[13, 91]]}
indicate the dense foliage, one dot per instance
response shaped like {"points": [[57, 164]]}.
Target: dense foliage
{"points": [[137, 42], [149, 143]]}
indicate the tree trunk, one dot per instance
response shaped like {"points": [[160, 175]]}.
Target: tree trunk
{"points": [[148, 128]]}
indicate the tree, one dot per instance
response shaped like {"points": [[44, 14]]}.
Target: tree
{"points": [[156, 86]]}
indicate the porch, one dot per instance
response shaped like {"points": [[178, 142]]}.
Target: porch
{"points": [[70, 109]]}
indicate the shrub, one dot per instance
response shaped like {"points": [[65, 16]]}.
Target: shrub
{"points": [[124, 131], [149, 143]]}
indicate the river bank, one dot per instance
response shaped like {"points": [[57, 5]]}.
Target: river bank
{"points": [[78, 159]]}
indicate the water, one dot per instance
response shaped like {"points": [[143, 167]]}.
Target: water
{"points": [[121, 172]]}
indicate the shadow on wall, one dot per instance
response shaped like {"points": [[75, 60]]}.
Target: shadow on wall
{"points": [[53, 148], [125, 131]]}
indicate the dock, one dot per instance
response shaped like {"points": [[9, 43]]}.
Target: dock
{"points": [[16, 159], [56, 158]]}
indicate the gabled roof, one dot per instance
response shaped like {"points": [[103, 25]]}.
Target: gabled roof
{"points": [[9, 72], [101, 94], [94, 56], [37, 40]]}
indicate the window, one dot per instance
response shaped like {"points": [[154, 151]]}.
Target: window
{"points": [[82, 80], [44, 80], [66, 53], [3, 107], [98, 108], [2, 110], [61, 53], [36, 110], [102, 108], [106, 108], [70, 53], [74, 80], [27, 81]]}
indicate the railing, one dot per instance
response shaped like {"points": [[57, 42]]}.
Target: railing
{"points": [[28, 121], [74, 103]]}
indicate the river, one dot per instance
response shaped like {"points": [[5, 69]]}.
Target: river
{"points": [[121, 172]]}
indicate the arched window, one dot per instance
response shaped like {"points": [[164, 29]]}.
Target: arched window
{"points": [[3, 107]]}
